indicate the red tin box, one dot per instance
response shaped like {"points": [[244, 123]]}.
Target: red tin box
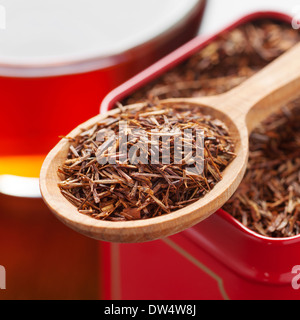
{"points": [[218, 258]]}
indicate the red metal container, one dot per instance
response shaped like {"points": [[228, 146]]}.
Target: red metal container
{"points": [[218, 258]]}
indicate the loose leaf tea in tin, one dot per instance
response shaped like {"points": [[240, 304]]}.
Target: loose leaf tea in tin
{"points": [[268, 200], [222, 65]]}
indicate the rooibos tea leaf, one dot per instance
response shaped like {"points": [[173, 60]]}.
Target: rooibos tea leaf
{"points": [[222, 65], [268, 199], [145, 162]]}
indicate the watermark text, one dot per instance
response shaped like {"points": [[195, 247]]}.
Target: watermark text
{"points": [[2, 278]]}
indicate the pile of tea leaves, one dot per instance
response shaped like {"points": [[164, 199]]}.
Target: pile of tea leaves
{"points": [[229, 60], [112, 178], [268, 200]]}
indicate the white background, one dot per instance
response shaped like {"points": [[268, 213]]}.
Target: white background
{"points": [[220, 13]]}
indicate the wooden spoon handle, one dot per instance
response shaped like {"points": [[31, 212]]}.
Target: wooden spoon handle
{"points": [[265, 92]]}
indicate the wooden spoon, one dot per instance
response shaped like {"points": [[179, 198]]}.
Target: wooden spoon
{"points": [[241, 109]]}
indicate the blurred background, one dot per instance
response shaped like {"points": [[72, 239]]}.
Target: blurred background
{"points": [[219, 14], [58, 60]]}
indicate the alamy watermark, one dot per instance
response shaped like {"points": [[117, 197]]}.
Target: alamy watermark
{"points": [[2, 17], [296, 17], [296, 278], [2, 278], [135, 145]]}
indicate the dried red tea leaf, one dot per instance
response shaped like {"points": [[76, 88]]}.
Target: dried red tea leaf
{"points": [[124, 191]]}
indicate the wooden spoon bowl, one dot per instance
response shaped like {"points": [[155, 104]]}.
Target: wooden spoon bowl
{"points": [[241, 109]]}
